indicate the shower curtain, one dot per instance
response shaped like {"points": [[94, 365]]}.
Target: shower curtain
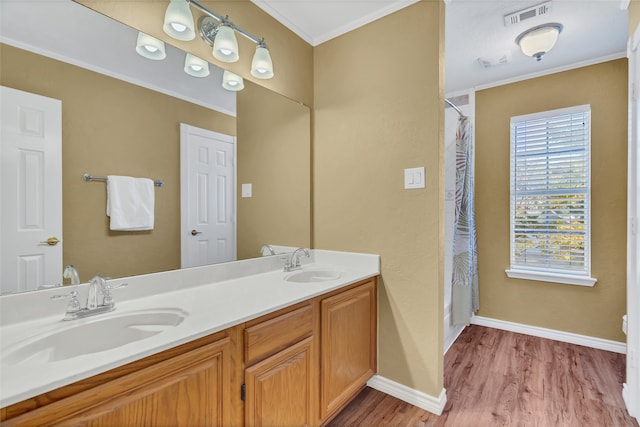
{"points": [[464, 292]]}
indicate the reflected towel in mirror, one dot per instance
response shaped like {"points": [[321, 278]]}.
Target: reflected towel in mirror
{"points": [[130, 203]]}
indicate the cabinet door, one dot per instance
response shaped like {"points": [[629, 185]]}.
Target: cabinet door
{"points": [[348, 342], [278, 389], [192, 389]]}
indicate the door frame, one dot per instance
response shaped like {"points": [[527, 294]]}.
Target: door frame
{"points": [[185, 129], [631, 389]]}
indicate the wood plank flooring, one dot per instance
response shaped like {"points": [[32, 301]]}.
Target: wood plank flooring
{"points": [[500, 378]]}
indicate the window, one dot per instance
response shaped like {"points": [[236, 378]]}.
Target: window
{"points": [[550, 196]]}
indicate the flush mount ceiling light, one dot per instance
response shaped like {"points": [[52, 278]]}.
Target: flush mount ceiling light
{"points": [[232, 82], [150, 47], [195, 66], [178, 21], [539, 40]]}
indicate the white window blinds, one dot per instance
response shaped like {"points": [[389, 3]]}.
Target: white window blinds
{"points": [[550, 192]]}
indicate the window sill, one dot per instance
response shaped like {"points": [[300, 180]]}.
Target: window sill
{"points": [[551, 277]]}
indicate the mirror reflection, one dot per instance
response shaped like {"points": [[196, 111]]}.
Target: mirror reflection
{"points": [[117, 124]]}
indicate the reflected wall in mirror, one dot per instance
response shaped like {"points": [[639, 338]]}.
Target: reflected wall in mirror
{"points": [[115, 127], [274, 156]]}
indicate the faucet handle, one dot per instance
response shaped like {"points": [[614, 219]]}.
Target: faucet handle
{"points": [[73, 306], [72, 295], [108, 298]]}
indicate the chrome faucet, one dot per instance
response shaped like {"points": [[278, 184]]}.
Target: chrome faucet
{"points": [[293, 261], [98, 285], [70, 272], [267, 248]]}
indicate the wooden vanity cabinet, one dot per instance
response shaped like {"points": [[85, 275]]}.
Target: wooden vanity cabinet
{"points": [[198, 387], [348, 339], [296, 367], [281, 368]]}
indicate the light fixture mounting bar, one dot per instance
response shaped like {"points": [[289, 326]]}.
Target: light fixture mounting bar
{"points": [[206, 10]]}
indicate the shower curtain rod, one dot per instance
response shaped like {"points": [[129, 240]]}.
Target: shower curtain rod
{"points": [[452, 105]]}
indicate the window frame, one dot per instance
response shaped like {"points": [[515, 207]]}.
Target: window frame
{"points": [[550, 274]]}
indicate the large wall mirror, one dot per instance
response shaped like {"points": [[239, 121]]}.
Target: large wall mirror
{"points": [[114, 124]]}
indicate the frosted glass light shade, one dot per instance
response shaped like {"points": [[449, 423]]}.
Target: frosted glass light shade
{"points": [[225, 46], [261, 66], [178, 21], [150, 47], [539, 40], [232, 82], [195, 66]]}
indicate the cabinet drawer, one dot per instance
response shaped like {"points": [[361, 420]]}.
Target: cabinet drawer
{"points": [[271, 336]]}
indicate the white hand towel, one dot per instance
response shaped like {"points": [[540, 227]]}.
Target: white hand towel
{"points": [[130, 203]]}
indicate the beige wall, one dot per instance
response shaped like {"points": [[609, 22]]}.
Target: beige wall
{"points": [[110, 127], [274, 144], [634, 16], [593, 311], [379, 109], [292, 57]]}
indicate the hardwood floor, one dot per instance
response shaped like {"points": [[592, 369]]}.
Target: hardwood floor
{"points": [[500, 378]]}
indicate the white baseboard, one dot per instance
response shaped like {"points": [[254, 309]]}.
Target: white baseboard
{"points": [[633, 407], [451, 333], [435, 405], [536, 331]]}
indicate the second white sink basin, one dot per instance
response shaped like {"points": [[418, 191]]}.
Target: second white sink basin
{"points": [[310, 276], [94, 335]]}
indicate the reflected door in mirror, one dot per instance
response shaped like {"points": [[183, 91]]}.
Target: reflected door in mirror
{"points": [[208, 186], [31, 191]]}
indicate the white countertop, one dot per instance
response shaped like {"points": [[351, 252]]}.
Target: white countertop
{"points": [[215, 297]]}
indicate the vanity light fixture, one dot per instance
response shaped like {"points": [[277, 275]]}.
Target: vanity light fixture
{"points": [[178, 21], [220, 33], [225, 45], [261, 65], [150, 47], [539, 40], [195, 66], [232, 82]]}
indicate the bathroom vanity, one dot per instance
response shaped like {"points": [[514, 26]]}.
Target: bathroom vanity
{"points": [[255, 347]]}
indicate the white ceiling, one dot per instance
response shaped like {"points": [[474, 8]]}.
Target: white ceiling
{"points": [[317, 21], [593, 30]]}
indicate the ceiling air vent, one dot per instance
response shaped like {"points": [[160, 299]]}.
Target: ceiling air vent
{"points": [[528, 13], [495, 60]]}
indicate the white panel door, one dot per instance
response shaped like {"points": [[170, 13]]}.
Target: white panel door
{"points": [[30, 191], [208, 203]]}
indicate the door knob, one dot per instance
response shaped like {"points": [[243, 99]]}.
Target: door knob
{"points": [[51, 241], [194, 232]]}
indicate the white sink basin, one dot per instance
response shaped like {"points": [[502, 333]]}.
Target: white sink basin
{"points": [[311, 276], [93, 335]]}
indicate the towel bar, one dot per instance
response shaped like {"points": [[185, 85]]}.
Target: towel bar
{"points": [[89, 177]]}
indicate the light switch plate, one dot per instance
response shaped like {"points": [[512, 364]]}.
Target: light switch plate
{"points": [[414, 178], [246, 190]]}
